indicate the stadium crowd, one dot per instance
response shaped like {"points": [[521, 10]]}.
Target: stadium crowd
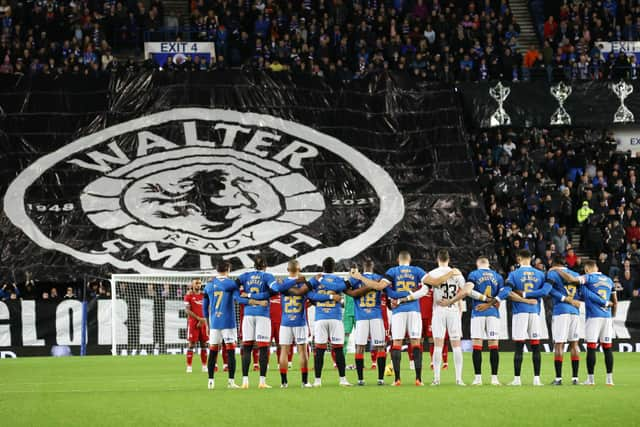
{"points": [[434, 40], [540, 186]]}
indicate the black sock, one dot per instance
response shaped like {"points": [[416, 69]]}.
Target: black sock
{"points": [[591, 360], [318, 361], [231, 357], [395, 360], [494, 358], [608, 359], [558, 365], [283, 378], [263, 359], [211, 362], [575, 364], [517, 359], [381, 361], [535, 357], [305, 377], [417, 360], [340, 362], [557, 362], [477, 361], [360, 368], [246, 359]]}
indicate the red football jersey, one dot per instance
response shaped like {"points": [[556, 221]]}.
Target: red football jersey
{"points": [[426, 305], [275, 309], [194, 303]]}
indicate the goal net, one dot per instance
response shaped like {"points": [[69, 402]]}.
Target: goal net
{"points": [[148, 313]]}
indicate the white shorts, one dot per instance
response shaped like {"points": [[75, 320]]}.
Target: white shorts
{"points": [[370, 327], [525, 326], [289, 334], [485, 327], [599, 329], [329, 330], [406, 322], [218, 336], [256, 328], [564, 328], [444, 321]]}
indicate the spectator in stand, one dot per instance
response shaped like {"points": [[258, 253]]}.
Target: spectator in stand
{"points": [[571, 259], [561, 241], [53, 294], [9, 291], [69, 294], [632, 233]]}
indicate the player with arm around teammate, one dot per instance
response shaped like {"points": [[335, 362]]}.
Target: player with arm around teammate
{"points": [[293, 326], [447, 316], [256, 322], [406, 282], [526, 282], [197, 331], [218, 305], [369, 321], [328, 324], [488, 291], [599, 314]]}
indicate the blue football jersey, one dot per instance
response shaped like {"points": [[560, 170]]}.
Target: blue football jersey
{"points": [[219, 305], [327, 309], [294, 311], [532, 282], [560, 289], [403, 280], [368, 306], [256, 283], [489, 283], [602, 286]]}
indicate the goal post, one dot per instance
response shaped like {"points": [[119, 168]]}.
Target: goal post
{"points": [[147, 311]]}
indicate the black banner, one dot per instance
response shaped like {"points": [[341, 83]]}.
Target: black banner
{"points": [[152, 324], [159, 172], [589, 104]]}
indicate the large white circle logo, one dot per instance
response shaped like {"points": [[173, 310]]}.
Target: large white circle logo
{"points": [[180, 189]]}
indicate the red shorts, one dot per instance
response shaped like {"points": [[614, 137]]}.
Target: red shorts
{"points": [[197, 334]]}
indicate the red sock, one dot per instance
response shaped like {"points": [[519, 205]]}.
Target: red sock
{"points": [[189, 357], [333, 356], [203, 356], [255, 355], [410, 353], [374, 357], [225, 358], [431, 346]]}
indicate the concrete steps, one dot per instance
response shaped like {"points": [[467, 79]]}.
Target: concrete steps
{"points": [[528, 36]]}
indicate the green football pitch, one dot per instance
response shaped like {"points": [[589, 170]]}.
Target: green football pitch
{"points": [[140, 391]]}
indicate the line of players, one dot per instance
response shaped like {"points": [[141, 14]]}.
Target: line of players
{"points": [[404, 285]]}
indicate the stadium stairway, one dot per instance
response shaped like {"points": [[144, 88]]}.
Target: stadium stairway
{"points": [[528, 37], [574, 234], [176, 13]]}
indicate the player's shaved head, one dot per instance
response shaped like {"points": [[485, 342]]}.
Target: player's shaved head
{"points": [[482, 262], [329, 265], [368, 264], [443, 255], [557, 260], [224, 267], [196, 284], [260, 263], [590, 266], [404, 257], [524, 254], [293, 266]]}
